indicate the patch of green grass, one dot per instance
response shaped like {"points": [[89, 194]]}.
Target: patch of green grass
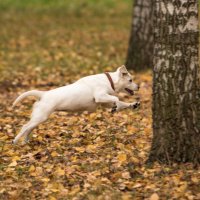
{"points": [[77, 7], [67, 36]]}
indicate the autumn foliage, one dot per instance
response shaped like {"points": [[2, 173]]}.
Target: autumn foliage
{"points": [[77, 155]]}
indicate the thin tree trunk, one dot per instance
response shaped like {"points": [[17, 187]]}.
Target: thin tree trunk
{"points": [[176, 94], [140, 51]]}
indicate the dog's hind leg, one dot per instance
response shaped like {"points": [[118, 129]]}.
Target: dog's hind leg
{"points": [[26, 130], [40, 114]]}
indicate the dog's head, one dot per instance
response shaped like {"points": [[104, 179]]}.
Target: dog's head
{"points": [[125, 81]]}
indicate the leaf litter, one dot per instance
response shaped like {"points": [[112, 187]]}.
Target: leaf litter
{"points": [[78, 155]]}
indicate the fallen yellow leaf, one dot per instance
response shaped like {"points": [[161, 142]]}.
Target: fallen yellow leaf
{"points": [[80, 149], [15, 158], [40, 138], [45, 179], [13, 164], [154, 196], [32, 168], [137, 185], [54, 154], [122, 157], [91, 148], [59, 172], [195, 179], [135, 160], [52, 198]]}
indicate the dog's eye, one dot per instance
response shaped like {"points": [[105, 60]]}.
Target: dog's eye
{"points": [[130, 81]]}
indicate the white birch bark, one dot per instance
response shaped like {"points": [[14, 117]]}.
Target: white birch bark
{"points": [[176, 101], [140, 50]]}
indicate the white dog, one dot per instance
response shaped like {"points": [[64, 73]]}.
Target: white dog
{"points": [[83, 95]]}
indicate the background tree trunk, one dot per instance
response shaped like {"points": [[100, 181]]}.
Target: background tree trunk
{"points": [[140, 49], [176, 97]]}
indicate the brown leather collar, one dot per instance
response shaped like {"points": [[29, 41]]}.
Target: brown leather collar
{"points": [[110, 80]]}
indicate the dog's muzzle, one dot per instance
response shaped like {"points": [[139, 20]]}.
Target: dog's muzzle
{"points": [[129, 91]]}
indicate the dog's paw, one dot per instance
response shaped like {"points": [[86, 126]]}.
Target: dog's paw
{"points": [[136, 105], [24, 142], [14, 142], [114, 109]]}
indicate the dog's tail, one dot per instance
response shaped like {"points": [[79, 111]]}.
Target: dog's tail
{"points": [[35, 93]]}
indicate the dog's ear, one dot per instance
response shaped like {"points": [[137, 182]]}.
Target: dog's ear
{"points": [[122, 71]]}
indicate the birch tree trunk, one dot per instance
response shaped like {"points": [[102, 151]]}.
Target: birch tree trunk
{"points": [[140, 51], [176, 89]]}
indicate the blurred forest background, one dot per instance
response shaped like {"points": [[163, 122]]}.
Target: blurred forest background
{"points": [[71, 35], [46, 44]]}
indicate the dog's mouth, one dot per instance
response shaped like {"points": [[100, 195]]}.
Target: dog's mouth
{"points": [[129, 91]]}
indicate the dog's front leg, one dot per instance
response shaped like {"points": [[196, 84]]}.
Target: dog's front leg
{"points": [[105, 98], [120, 105]]}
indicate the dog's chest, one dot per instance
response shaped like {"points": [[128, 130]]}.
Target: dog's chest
{"points": [[79, 106]]}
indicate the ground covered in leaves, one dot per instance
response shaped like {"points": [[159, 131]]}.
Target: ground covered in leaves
{"points": [[82, 155]]}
